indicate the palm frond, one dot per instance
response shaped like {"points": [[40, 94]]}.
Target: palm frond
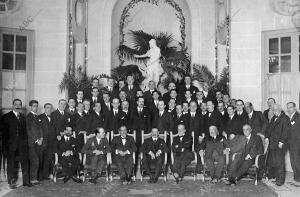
{"points": [[128, 53], [121, 72], [140, 40], [223, 79], [203, 74]]}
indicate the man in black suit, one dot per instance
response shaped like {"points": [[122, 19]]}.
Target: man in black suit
{"points": [[15, 142], [97, 148], [212, 117], [195, 122], [226, 100], [141, 120], [252, 148], [256, 120], [88, 91], [219, 96], [171, 107], [163, 120], [105, 103], [276, 135], [98, 119], [114, 117], [122, 148], [153, 106], [235, 145], [199, 98], [188, 86], [35, 141], [60, 118], [166, 96], [79, 97], [49, 140], [234, 125], [153, 149], [185, 108], [113, 91], [188, 96], [268, 113], [68, 155], [148, 93], [95, 97], [182, 150], [294, 139], [214, 146], [208, 94], [223, 112], [240, 111], [180, 118], [81, 124], [126, 116], [177, 97], [71, 107], [130, 89]]}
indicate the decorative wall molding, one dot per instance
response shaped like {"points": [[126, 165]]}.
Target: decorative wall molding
{"points": [[126, 14], [287, 8], [10, 6]]}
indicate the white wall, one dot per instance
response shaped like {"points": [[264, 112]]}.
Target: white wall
{"points": [[253, 17], [50, 28]]}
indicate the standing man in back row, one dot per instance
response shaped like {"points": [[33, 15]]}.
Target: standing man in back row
{"points": [[15, 142]]}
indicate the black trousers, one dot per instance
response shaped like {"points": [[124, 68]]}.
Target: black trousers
{"points": [[47, 162], [22, 154], [215, 170], [295, 159], [181, 161], [70, 165], [125, 166], [35, 158], [240, 167], [157, 162], [276, 164]]}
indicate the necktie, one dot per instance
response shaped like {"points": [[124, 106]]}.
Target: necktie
{"points": [[193, 115], [250, 116], [18, 116], [67, 139]]}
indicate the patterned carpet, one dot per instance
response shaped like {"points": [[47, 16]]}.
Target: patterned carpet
{"points": [[187, 188]]}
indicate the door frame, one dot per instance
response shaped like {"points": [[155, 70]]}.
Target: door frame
{"points": [[265, 70], [30, 66]]}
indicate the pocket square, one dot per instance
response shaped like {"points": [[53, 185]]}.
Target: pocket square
{"points": [[293, 122]]}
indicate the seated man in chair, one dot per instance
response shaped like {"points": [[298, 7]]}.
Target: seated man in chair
{"points": [[123, 146], [153, 149], [253, 148], [67, 150], [183, 155], [235, 145], [97, 147], [214, 152]]}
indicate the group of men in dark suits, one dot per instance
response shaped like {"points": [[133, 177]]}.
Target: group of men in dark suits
{"points": [[219, 124]]}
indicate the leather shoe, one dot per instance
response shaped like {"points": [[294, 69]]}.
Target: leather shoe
{"points": [[93, 181], [12, 186], [66, 179], [28, 185], [150, 180], [155, 180], [76, 180]]}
